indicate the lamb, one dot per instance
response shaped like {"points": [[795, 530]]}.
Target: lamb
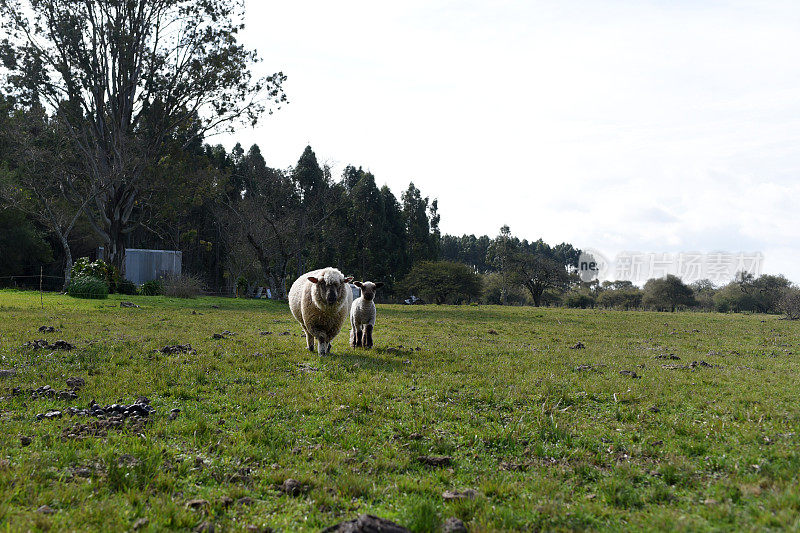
{"points": [[319, 300], [362, 314]]}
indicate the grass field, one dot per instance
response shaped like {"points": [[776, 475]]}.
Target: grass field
{"points": [[548, 435]]}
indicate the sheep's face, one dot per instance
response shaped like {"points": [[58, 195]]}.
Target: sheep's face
{"points": [[330, 287], [368, 289]]}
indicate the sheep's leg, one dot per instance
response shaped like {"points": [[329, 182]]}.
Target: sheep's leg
{"points": [[368, 336], [309, 340], [352, 335]]}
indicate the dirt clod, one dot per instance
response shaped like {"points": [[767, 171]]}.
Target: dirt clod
{"points": [[629, 373], [588, 368], [292, 487], [61, 345], [25, 440], [366, 523], [43, 344], [204, 527], [454, 525], [196, 503], [670, 356], [178, 348], [451, 495], [578, 346], [435, 460], [76, 382]]}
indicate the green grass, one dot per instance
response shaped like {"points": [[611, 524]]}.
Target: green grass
{"points": [[546, 446]]}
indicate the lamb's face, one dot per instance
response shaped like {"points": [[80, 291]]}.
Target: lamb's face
{"points": [[368, 289], [330, 287]]}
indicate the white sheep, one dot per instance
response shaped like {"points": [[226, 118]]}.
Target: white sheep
{"points": [[320, 300], [362, 314]]}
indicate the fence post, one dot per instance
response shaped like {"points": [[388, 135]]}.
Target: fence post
{"points": [[41, 298]]}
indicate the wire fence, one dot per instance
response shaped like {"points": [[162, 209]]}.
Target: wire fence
{"points": [[51, 283]]}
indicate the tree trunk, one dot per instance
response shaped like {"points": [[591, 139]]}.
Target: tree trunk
{"points": [[536, 294], [283, 278], [117, 257], [67, 262]]}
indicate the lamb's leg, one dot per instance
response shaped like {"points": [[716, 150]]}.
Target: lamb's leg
{"points": [[368, 336], [352, 335], [323, 347], [359, 337]]}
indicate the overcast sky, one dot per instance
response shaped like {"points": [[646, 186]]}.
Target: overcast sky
{"points": [[655, 126]]}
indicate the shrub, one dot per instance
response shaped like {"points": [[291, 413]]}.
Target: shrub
{"points": [[183, 286], [126, 286], [241, 287], [97, 269], [154, 287], [87, 287], [790, 304]]}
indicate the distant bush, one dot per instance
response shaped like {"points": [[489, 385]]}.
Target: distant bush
{"points": [[183, 286], [493, 291], [154, 287], [443, 282], [790, 304], [579, 300], [126, 286], [625, 298], [731, 298], [87, 287], [667, 294]]}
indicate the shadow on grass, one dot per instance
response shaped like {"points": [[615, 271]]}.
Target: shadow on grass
{"points": [[366, 361]]}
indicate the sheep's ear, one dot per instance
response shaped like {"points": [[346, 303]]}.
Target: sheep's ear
{"points": [[312, 279], [378, 285], [348, 279], [358, 284]]}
